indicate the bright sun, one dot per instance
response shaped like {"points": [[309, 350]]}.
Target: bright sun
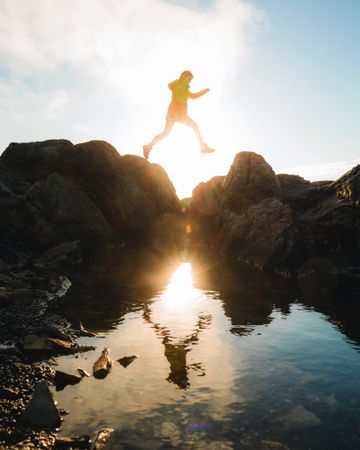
{"points": [[179, 154]]}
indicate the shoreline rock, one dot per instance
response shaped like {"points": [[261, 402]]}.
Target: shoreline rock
{"points": [[280, 223]]}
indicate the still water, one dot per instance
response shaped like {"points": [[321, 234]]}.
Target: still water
{"points": [[223, 361]]}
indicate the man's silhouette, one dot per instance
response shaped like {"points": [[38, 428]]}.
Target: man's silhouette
{"points": [[177, 112]]}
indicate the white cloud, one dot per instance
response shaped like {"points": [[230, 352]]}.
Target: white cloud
{"points": [[57, 104], [126, 43]]}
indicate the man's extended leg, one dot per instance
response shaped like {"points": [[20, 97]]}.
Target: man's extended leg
{"points": [[190, 123], [147, 148]]}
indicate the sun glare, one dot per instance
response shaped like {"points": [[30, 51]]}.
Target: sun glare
{"points": [[179, 306], [180, 290], [180, 156]]}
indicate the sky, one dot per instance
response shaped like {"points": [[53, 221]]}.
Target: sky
{"points": [[283, 78]]}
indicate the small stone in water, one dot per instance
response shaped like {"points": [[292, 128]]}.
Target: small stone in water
{"points": [[126, 360], [104, 439], [83, 372], [80, 442]]}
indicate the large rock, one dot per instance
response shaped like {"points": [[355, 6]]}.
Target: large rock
{"points": [[292, 183], [41, 411], [206, 197], [281, 223], [67, 206], [54, 191], [35, 160], [262, 237], [250, 180]]}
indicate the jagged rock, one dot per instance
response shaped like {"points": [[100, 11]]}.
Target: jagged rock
{"points": [[84, 192], [262, 236], [126, 360], [67, 206], [62, 379], [279, 223], [250, 180], [41, 411], [292, 183]]}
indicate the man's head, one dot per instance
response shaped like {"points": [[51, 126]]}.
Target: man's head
{"points": [[187, 74]]}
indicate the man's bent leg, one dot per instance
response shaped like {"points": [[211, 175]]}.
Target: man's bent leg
{"points": [[147, 148], [204, 147], [190, 123]]}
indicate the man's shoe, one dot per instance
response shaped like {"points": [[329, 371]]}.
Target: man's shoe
{"points": [[206, 149], [146, 151]]}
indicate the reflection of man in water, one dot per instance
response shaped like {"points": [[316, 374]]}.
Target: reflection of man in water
{"points": [[176, 353], [177, 112]]}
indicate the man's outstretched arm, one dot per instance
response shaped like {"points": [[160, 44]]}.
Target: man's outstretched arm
{"points": [[198, 94]]}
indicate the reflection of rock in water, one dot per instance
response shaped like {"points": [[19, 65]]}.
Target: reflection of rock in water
{"points": [[248, 297], [176, 355]]}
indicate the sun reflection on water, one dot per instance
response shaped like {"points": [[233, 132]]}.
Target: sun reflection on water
{"points": [[180, 290]]}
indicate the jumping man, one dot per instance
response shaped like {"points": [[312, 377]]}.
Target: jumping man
{"points": [[177, 112]]}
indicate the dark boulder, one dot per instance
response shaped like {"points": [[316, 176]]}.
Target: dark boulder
{"points": [[41, 411], [250, 180], [67, 206], [262, 237], [206, 197], [283, 224], [35, 160], [292, 183], [53, 191]]}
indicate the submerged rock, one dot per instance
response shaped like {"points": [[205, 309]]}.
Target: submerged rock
{"points": [[298, 418]]}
